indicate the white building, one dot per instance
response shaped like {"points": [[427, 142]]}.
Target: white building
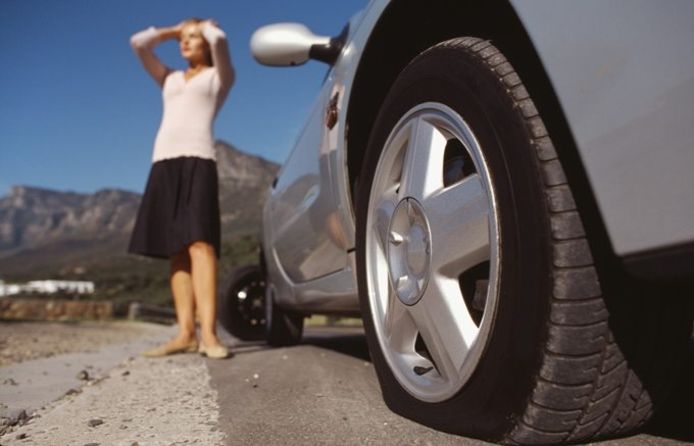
{"points": [[47, 287]]}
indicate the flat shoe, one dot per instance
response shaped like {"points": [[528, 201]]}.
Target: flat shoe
{"points": [[214, 352], [165, 350]]}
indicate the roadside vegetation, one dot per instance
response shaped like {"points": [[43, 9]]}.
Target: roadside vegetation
{"points": [[124, 279]]}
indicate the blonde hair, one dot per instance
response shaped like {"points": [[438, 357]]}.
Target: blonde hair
{"points": [[197, 21]]}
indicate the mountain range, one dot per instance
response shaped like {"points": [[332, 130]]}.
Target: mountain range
{"points": [[52, 234]]}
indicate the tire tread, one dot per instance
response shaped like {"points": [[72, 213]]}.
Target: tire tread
{"points": [[585, 388]]}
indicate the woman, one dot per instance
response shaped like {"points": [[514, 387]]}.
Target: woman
{"points": [[179, 214]]}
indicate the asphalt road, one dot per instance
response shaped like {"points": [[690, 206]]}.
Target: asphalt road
{"points": [[323, 391]]}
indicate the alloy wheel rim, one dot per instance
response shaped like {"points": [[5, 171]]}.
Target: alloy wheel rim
{"points": [[432, 252], [250, 299]]}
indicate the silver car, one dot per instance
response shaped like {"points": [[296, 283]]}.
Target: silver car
{"points": [[503, 192]]}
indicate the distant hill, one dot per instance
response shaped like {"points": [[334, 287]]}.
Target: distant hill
{"points": [[31, 217], [50, 234], [244, 181]]}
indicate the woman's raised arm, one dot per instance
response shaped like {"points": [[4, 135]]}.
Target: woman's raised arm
{"points": [[143, 43], [220, 53]]}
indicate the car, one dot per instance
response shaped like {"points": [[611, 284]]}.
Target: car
{"points": [[501, 190]]}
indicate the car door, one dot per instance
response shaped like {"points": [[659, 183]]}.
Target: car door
{"points": [[308, 238]]}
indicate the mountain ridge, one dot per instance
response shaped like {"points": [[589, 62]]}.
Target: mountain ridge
{"points": [[51, 232]]}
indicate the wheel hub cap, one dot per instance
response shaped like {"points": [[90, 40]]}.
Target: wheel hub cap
{"points": [[409, 251], [432, 238]]}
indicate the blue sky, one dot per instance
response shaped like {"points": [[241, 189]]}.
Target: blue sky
{"points": [[77, 111]]}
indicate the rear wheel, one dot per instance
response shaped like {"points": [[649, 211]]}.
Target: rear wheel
{"points": [[482, 305], [242, 303]]}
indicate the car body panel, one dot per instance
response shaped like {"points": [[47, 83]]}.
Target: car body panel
{"points": [[308, 233], [634, 62], [302, 205]]}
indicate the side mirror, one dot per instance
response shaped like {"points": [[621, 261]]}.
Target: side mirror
{"points": [[290, 44]]}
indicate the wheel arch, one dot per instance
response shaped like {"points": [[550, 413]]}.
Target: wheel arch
{"points": [[405, 29]]}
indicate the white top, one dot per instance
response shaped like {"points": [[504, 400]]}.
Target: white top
{"points": [[190, 106]]}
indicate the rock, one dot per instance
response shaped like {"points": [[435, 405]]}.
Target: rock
{"points": [[83, 375], [17, 416], [126, 373], [95, 422], [21, 436]]}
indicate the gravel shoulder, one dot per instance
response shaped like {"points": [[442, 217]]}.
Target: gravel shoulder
{"points": [[163, 401], [47, 362], [25, 341]]}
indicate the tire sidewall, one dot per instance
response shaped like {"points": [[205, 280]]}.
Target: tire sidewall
{"points": [[500, 387]]}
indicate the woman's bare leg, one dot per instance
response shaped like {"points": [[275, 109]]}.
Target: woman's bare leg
{"points": [[184, 301], [204, 273]]}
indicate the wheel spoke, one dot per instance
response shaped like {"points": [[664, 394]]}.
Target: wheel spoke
{"points": [[459, 223], [400, 329], [383, 213], [445, 325], [423, 161]]}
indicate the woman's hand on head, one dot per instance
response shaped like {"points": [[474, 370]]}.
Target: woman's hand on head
{"points": [[212, 22], [178, 28], [171, 32]]}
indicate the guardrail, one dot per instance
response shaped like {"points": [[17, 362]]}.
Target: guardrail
{"points": [[151, 313]]}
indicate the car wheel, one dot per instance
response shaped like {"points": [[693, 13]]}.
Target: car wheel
{"points": [[482, 305], [242, 303], [284, 327]]}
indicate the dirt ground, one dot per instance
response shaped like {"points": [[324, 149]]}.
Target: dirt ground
{"points": [[24, 341]]}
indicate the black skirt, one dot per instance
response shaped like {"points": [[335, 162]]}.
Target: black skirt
{"points": [[180, 206]]}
